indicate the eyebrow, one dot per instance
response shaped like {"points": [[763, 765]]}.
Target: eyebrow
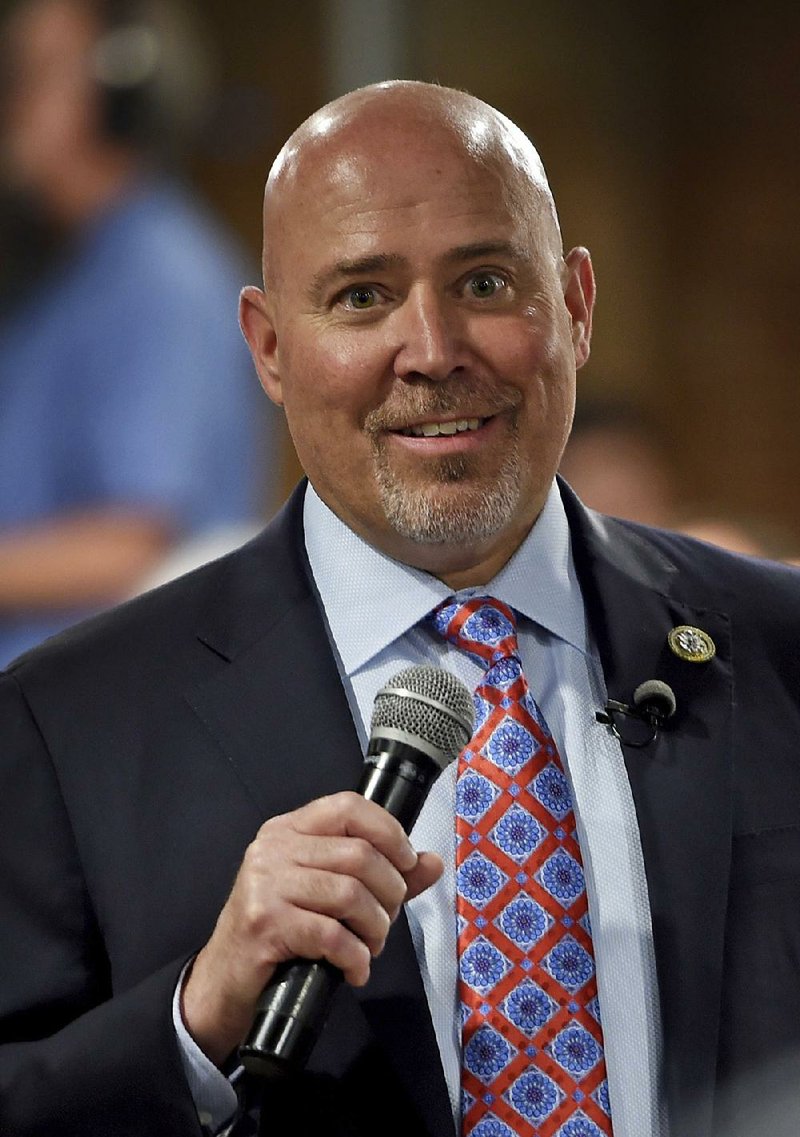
{"points": [[382, 262], [343, 270]]}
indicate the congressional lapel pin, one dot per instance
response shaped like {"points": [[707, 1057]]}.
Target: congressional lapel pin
{"points": [[692, 644]]}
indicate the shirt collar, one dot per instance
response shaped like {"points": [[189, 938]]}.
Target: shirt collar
{"points": [[370, 600]]}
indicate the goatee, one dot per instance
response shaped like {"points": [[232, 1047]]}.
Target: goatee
{"points": [[454, 505]]}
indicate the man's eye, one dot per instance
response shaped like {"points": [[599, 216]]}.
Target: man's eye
{"points": [[486, 284], [359, 298]]}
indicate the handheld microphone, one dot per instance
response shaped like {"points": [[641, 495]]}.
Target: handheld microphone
{"points": [[653, 703], [421, 720]]}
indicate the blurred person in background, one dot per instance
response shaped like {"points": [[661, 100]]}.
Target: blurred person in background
{"points": [[130, 419], [617, 463]]}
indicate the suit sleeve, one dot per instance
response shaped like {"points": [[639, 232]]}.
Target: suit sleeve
{"points": [[77, 1057]]}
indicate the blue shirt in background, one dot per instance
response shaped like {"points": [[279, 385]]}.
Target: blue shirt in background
{"points": [[124, 380]]}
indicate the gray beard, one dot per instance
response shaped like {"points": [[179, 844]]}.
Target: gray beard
{"points": [[429, 516]]}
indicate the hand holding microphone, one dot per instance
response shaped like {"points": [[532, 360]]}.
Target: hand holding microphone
{"points": [[324, 883]]}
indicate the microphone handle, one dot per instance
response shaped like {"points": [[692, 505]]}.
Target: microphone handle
{"points": [[294, 1005]]}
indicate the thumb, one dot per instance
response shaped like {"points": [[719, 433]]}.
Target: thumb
{"points": [[426, 871]]}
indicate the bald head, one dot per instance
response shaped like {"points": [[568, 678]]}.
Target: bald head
{"points": [[339, 142], [420, 325]]}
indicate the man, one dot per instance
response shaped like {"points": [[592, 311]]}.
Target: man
{"points": [[119, 371], [175, 774]]}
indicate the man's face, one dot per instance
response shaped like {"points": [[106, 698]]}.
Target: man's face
{"points": [[418, 337], [48, 103]]}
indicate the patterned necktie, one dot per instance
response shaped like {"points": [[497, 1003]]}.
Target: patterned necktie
{"points": [[533, 1060]]}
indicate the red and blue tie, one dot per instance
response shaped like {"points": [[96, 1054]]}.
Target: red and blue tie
{"points": [[532, 1062]]}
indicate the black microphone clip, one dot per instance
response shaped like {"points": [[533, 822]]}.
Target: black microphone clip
{"points": [[653, 703]]}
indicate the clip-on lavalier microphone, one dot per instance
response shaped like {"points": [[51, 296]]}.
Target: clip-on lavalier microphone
{"points": [[653, 703]]}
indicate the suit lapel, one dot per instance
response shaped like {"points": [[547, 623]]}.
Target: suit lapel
{"points": [[276, 704], [681, 787], [280, 716]]}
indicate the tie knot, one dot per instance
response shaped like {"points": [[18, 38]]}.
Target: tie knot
{"points": [[483, 627]]}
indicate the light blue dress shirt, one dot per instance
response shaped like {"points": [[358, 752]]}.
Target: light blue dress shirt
{"points": [[374, 609]]}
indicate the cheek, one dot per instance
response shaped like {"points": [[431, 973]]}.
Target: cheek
{"points": [[331, 375], [326, 396], [531, 358], [544, 371]]}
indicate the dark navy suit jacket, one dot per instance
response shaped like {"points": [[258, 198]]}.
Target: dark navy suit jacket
{"points": [[140, 752]]}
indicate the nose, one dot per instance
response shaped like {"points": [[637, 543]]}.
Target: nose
{"points": [[429, 337]]}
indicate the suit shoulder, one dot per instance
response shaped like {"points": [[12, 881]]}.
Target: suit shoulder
{"points": [[717, 577]]}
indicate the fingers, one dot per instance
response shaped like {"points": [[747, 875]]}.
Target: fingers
{"points": [[349, 881], [341, 857], [348, 814], [325, 881]]}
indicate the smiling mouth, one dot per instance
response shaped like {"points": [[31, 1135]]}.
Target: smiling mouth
{"points": [[437, 429]]}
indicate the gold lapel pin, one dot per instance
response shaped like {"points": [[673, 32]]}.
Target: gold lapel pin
{"points": [[692, 644]]}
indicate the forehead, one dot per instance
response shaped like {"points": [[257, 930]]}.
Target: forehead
{"points": [[49, 35], [401, 195]]}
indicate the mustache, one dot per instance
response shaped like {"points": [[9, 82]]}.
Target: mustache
{"points": [[426, 401]]}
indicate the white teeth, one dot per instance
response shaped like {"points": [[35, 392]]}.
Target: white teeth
{"points": [[434, 429]]}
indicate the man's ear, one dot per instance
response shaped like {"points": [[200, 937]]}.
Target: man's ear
{"points": [[258, 329], [579, 296]]}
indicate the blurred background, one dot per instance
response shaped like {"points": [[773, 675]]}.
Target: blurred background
{"points": [[670, 134]]}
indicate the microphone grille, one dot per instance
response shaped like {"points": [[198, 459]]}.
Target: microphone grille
{"points": [[656, 694], [428, 704]]}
